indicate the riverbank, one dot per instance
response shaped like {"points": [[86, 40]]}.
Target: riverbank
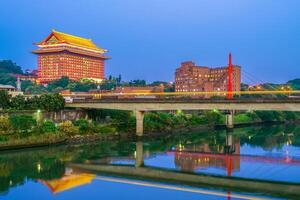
{"points": [[84, 139], [18, 132]]}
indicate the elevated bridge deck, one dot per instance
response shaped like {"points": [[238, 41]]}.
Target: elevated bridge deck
{"points": [[142, 105], [188, 104]]}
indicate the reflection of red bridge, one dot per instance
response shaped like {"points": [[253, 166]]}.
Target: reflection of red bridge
{"points": [[230, 159]]}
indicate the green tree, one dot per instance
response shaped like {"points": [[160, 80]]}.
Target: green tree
{"points": [[108, 84], [18, 102], [82, 87], [36, 89], [83, 124], [48, 127], [4, 99], [26, 84], [269, 115], [22, 122], [52, 102], [137, 83], [119, 79], [63, 82], [8, 66], [295, 83], [7, 79], [213, 117], [33, 103]]}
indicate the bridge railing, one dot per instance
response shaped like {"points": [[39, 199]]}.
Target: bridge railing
{"points": [[271, 94]]}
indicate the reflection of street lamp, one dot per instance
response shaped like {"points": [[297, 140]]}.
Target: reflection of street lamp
{"points": [[38, 115], [38, 166]]}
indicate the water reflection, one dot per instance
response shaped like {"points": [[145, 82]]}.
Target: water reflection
{"points": [[69, 180], [266, 152], [197, 156]]}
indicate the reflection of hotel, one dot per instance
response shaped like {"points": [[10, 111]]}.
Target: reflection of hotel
{"points": [[68, 181], [200, 156]]}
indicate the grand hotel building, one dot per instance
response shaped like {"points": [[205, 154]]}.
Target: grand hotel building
{"points": [[192, 78], [61, 54]]}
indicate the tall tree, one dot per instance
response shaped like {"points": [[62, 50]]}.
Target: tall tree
{"points": [[4, 99], [8, 66]]}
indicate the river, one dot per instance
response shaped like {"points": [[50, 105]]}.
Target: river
{"points": [[267, 153]]}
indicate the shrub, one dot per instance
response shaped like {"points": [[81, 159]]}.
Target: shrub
{"points": [[3, 138], [18, 102], [270, 115], [4, 99], [68, 128], [154, 122], [83, 125], [290, 116], [4, 124], [253, 116], [118, 115], [105, 129], [22, 122], [52, 102], [48, 127], [241, 118], [197, 120], [213, 117], [33, 103]]}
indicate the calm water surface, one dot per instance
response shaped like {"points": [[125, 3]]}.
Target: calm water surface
{"points": [[263, 152]]}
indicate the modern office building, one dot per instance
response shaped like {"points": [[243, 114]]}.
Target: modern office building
{"points": [[61, 54]]}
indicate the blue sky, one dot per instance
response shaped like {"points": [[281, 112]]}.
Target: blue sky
{"points": [[148, 39]]}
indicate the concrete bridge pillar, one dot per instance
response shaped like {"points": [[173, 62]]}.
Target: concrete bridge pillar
{"points": [[139, 115], [139, 154], [229, 119]]}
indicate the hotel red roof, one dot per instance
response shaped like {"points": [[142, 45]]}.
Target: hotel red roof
{"points": [[56, 37]]}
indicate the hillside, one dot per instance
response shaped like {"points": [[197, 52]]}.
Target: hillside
{"points": [[295, 83], [9, 67]]}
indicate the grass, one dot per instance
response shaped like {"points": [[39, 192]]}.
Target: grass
{"points": [[47, 138]]}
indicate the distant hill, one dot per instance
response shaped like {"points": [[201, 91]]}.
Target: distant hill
{"points": [[295, 83], [8, 66]]}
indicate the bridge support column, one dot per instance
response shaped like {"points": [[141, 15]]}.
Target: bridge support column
{"points": [[229, 119], [139, 115], [139, 154], [230, 144]]}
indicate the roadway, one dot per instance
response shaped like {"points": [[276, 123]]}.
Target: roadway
{"points": [[188, 104]]}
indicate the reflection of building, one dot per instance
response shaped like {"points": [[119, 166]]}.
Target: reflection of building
{"points": [[192, 78], [197, 156], [68, 181], [62, 54]]}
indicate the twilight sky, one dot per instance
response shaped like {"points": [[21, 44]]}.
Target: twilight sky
{"points": [[148, 39]]}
